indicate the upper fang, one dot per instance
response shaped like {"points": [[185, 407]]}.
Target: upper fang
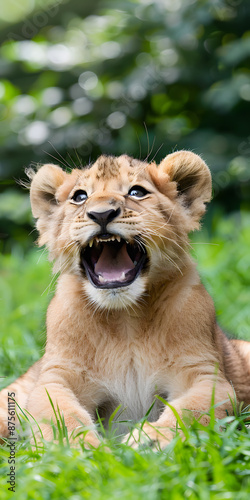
{"points": [[97, 240]]}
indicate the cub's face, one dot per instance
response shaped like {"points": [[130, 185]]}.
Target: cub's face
{"points": [[121, 225]]}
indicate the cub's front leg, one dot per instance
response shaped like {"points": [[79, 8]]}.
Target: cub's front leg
{"points": [[196, 399], [53, 387]]}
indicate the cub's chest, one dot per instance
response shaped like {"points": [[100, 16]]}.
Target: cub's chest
{"points": [[132, 384]]}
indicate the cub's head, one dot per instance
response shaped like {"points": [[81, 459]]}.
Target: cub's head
{"points": [[121, 225]]}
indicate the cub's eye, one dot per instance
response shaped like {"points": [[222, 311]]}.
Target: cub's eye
{"points": [[138, 192], [79, 196]]}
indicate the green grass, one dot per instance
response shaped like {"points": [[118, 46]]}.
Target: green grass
{"points": [[209, 464], [212, 463]]}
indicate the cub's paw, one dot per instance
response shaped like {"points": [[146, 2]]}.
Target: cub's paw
{"points": [[149, 435], [89, 439]]}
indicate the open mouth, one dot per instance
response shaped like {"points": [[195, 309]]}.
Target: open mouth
{"points": [[111, 262]]}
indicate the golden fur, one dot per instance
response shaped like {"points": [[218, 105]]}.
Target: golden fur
{"points": [[111, 345]]}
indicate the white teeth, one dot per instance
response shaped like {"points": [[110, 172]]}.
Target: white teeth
{"points": [[101, 278], [123, 276], [97, 240]]}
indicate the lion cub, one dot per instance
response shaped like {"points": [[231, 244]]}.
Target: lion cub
{"points": [[130, 318]]}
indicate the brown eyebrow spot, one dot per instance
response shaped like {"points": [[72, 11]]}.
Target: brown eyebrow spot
{"points": [[107, 167]]}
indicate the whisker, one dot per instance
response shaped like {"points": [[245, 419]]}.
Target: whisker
{"points": [[174, 263], [138, 138], [157, 152], [146, 130], [51, 283], [62, 159], [42, 252], [205, 243], [79, 159], [147, 157], [68, 154]]}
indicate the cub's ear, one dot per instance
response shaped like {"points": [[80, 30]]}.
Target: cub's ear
{"points": [[193, 179], [44, 184]]}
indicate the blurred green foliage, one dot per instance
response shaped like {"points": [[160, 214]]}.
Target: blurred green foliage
{"points": [[25, 291], [132, 76], [224, 263]]}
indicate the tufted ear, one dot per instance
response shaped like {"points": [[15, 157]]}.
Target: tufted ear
{"points": [[193, 179], [45, 182]]}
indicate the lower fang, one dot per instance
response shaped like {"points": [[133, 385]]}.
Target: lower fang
{"points": [[123, 277], [101, 278]]}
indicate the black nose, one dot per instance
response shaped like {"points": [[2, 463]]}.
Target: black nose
{"points": [[103, 218]]}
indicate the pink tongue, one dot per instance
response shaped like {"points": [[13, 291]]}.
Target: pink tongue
{"points": [[112, 263]]}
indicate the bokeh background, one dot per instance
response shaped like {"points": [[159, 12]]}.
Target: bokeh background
{"points": [[140, 77]]}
